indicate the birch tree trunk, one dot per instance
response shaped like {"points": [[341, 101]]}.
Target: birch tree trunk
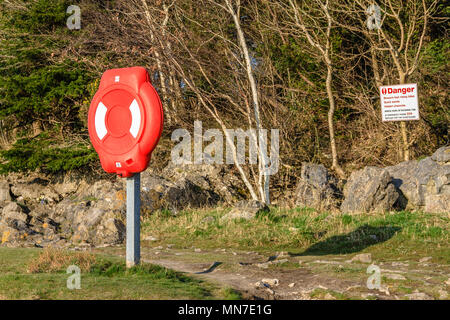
{"points": [[263, 176], [323, 47], [331, 110]]}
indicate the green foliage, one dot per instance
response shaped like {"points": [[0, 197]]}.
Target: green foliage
{"points": [[38, 85], [346, 219], [40, 16], [33, 85], [436, 55], [42, 93], [434, 103], [290, 59], [41, 152]]}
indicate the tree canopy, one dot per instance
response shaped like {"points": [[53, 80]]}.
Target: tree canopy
{"points": [[316, 66]]}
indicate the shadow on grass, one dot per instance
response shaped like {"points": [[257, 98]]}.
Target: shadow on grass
{"points": [[355, 241]]}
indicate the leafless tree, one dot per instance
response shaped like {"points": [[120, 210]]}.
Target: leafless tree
{"points": [[191, 60], [399, 31], [233, 7], [312, 21]]}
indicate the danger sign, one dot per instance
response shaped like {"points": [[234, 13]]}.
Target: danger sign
{"points": [[399, 102]]}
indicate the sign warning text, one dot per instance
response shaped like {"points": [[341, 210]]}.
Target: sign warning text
{"points": [[399, 102]]}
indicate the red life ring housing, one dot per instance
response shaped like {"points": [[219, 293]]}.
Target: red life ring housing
{"points": [[125, 120]]}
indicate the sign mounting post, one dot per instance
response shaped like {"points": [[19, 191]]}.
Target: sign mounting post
{"points": [[133, 220]]}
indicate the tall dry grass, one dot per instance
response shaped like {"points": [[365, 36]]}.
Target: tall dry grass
{"points": [[53, 260]]}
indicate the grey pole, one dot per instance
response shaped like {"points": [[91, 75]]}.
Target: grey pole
{"points": [[133, 220]]}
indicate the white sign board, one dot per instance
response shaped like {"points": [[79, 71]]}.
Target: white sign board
{"points": [[399, 102]]}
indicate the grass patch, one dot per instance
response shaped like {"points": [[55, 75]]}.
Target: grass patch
{"points": [[41, 274], [348, 270], [327, 295], [231, 294], [285, 266], [305, 231]]}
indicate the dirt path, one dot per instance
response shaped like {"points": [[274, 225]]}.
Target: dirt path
{"points": [[285, 276]]}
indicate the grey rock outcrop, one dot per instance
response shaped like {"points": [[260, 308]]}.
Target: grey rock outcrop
{"points": [[36, 189], [370, 190], [160, 193], [95, 215], [442, 156], [425, 184], [94, 225], [37, 210], [180, 187], [13, 211], [90, 213], [222, 185], [19, 226], [411, 185], [316, 188], [186, 194]]}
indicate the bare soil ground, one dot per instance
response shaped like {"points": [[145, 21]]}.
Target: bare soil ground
{"points": [[287, 276]]}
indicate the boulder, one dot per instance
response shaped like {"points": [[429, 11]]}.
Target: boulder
{"points": [[21, 227], [442, 156], [13, 211], [153, 188], [186, 194], [186, 186], [101, 228], [110, 231], [39, 211], [370, 189], [152, 181], [98, 222], [93, 214], [271, 282], [24, 225], [246, 209], [35, 190], [112, 192], [177, 188], [49, 230], [14, 228], [215, 179], [437, 203], [425, 184], [69, 183], [316, 188]]}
